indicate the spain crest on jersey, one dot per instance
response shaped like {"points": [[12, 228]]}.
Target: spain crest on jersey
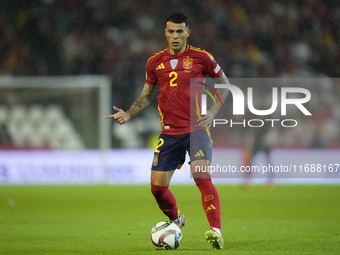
{"points": [[187, 64]]}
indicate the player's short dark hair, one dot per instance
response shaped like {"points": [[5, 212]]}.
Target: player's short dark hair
{"points": [[178, 18]]}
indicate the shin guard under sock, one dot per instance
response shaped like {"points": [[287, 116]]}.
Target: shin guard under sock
{"points": [[210, 200], [165, 200]]}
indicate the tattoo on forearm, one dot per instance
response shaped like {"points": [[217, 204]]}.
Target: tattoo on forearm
{"points": [[142, 102]]}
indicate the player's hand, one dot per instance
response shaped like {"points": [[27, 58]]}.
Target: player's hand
{"points": [[120, 116], [206, 120]]}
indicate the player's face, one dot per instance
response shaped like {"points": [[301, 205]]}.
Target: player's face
{"points": [[177, 35]]}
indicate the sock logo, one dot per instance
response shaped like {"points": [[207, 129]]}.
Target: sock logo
{"points": [[210, 207], [208, 198]]}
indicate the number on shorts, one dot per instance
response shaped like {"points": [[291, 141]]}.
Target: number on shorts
{"points": [[160, 143]]}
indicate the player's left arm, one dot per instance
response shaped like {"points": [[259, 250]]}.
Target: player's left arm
{"points": [[206, 120]]}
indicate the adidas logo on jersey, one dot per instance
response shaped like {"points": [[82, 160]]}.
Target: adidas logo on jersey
{"points": [[199, 154], [161, 66]]}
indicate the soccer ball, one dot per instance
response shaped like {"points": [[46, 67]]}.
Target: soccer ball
{"points": [[166, 236]]}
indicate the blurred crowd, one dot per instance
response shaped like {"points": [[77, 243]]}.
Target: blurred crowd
{"points": [[264, 38]]}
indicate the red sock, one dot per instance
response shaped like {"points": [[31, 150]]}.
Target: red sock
{"points": [[165, 200], [210, 200]]}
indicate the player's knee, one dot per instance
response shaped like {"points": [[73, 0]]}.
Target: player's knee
{"points": [[158, 191], [201, 178]]}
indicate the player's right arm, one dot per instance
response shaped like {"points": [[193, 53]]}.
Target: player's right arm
{"points": [[141, 103]]}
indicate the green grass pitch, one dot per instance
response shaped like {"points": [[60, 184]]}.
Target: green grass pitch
{"points": [[118, 220]]}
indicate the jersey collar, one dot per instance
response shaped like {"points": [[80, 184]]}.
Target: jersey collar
{"points": [[186, 50]]}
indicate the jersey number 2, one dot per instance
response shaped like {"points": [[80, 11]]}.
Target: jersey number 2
{"points": [[172, 81]]}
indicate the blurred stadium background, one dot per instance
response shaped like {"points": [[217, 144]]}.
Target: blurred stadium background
{"points": [[64, 63]]}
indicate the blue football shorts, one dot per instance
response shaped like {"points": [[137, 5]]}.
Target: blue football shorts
{"points": [[171, 149]]}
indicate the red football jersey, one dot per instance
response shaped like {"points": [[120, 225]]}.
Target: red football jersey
{"points": [[178, 102]]}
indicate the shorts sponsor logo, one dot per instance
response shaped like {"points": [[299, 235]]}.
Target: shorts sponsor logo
{"points": [[199, 154]]}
